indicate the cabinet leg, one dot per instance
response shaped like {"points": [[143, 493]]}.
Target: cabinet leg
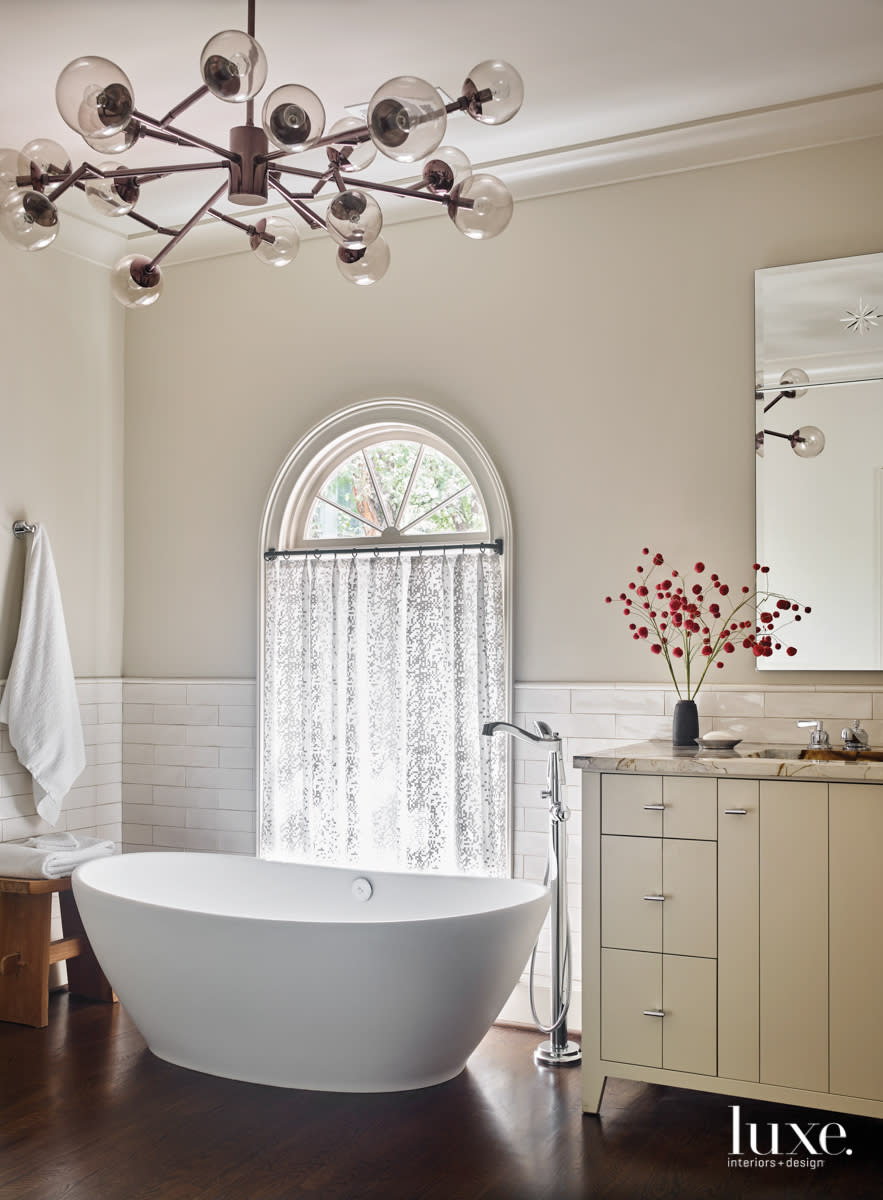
{"points": [[594, 1083], [24, 958], [84, 975]]}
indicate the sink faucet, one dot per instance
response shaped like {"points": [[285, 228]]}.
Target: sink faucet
{"points": [[818, 739], [855, 738]]}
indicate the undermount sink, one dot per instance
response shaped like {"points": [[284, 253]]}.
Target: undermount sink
{"points": [[818, 754]]}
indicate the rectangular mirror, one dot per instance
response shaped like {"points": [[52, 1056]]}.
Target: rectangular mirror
{"points": [[819, 465]]}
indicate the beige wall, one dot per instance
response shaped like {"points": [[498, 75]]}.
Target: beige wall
{"points": [[602, 350], [61, 443]]}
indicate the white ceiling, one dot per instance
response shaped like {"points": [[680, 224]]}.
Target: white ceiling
{"points": [[593, 73]]}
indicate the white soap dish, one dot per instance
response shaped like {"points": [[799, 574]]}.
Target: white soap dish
{"points": [[718, 740]]}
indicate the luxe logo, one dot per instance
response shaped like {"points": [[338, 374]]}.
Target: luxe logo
{"points": [[782, 1144]]}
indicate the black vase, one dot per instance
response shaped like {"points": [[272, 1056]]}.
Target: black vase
{"points": [[685, 724]]}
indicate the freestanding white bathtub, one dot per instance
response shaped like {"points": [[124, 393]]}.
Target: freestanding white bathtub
{"points": [[281, 974]]}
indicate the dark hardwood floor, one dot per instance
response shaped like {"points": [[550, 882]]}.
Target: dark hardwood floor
{"points": [[87, 1113]]}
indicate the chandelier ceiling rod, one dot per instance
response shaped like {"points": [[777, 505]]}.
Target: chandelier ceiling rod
{"points": [[406, 121]]}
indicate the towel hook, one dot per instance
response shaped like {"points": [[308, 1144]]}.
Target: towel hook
{"points": [[20, 528]]}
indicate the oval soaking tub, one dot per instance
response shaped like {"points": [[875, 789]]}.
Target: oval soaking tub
{"points": [[307, 977]]}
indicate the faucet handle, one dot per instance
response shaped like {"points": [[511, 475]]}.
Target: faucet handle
{"points": [[819, 736]]}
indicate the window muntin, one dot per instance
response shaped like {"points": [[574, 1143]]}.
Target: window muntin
{"points": [[402, 486]]}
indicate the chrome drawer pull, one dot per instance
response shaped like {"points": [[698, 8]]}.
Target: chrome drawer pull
{"points": [[654, 807], [735, 812], [659, 898], [653, 1012]]}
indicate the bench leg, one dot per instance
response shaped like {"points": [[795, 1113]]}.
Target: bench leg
{"points": [[24, 958], [84, 976]]}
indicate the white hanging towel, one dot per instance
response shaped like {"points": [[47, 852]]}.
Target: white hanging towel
{"points": [[39, 702]]}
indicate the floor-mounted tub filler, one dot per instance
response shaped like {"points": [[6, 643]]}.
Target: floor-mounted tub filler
{"points": [[308, 977]]}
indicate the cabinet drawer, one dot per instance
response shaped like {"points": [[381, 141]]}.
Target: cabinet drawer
{"points": [[659, 895], [659, 1010], [631, 804], [690, 807], [631, 868], [631, 983], [659, 806]]}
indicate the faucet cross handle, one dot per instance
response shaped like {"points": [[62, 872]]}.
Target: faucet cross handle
{"points": [[819, 735]]}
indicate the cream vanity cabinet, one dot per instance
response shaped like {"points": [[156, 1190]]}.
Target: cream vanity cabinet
{"points": [[733, 933]]}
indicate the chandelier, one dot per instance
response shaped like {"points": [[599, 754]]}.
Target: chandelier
{"points": [[406, 121]]}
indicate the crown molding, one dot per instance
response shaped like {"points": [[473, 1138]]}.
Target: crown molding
{"points": [[734, 137]]}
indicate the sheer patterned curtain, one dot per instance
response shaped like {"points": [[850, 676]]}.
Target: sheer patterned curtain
{"points": [[379, 671]]}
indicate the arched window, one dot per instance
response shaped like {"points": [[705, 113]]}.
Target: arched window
{"points": [[385, 647]]}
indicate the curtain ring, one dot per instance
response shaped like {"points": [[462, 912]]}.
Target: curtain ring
{"points": [[481, 549], [317, 554], [353, 552], [377, 553]]}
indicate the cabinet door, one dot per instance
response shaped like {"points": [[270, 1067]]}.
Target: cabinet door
{"points": [[689, 1028], [738, 933], [631, 987], [856, 928], [794, 934], [689, 883], [631, 869], [631, 804]]}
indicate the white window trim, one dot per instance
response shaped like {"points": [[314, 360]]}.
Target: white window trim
{"points": [[331, 441]]}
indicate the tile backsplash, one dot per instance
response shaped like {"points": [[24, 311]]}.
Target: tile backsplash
{"points": [[94, 804]]}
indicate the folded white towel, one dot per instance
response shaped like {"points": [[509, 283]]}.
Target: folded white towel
{"points": [[39, 702], [29, 862]]}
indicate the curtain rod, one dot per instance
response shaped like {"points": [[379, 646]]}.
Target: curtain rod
{"points": [[496, 547]]}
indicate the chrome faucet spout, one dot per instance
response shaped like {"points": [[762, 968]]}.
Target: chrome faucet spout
{"points": [[543, 735]]}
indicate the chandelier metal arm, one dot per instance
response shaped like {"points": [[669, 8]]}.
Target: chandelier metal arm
{"points": [[299, 207], [73, 178], [350, 136], [190, 139], [151, 224], [184, 230], [184, 104], [251, 230], [395, 190], [144, 132]]}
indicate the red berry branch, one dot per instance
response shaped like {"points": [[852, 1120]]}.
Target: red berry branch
{"points": [[687, 625]]}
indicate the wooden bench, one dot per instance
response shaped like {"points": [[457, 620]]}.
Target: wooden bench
{"points": [[27, 951]]}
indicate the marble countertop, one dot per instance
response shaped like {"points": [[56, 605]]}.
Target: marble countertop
{"points": [[752, 761]]}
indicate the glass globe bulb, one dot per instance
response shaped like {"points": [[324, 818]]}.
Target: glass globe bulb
{"points": [[447, 167], [10, 169], [113, 197], [354, 219], [28, 219], [117, 142], [293, 117], [233, 66], [284, 246], [364, 266], [133, 285], [406, 118], [94, 96], [350, 156], [807, 442], [495, 91], [42, 156], [792, 382], [491, 206]]}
